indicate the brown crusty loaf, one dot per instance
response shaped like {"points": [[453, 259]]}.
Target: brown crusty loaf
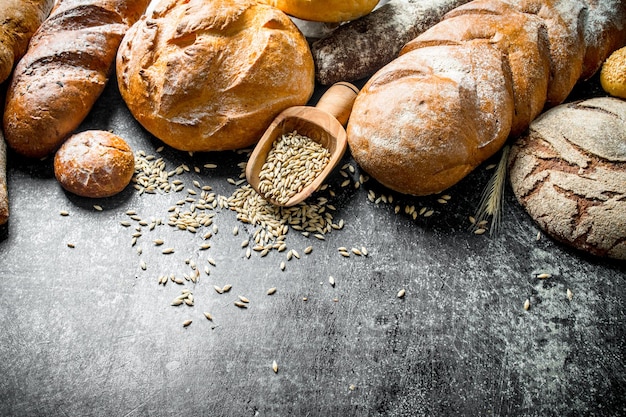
{"points": [[94, 163], [569, 173], [460, 89], [20, 19], [209, 76], [64, 71], [353, 51]]}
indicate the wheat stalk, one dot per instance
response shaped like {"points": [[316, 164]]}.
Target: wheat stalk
{"points": [[492, 198]]}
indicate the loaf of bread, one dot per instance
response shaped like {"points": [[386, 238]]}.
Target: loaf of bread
{"points": [[569, 173], [64, 71], [20, 19], [324, 10], [353, 51], [209, 76], [482, 74], [94, 164]]}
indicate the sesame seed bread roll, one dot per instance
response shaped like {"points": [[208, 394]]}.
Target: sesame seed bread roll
{"points": [[417, 142], [209, 76], [613, 74]]}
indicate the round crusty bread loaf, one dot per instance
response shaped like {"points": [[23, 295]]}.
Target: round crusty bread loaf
{"points": [[94, 164], [324, 10], [569, 173], [209, 76]]}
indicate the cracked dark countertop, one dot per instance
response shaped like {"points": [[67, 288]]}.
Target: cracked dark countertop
{"points": [[85, 331]]}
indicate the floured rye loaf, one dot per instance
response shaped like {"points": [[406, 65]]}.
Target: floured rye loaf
{"points": [[569, 173], [209, 76]]}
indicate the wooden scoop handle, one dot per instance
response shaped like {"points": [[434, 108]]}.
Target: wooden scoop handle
{"points": [[338, 101]]}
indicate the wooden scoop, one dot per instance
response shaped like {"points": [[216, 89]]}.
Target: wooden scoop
{"points": [[323, 123]]}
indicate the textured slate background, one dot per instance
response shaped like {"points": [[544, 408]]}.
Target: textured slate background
{"points": [[87, 332]]}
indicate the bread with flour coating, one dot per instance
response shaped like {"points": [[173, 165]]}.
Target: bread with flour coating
{"points": [[209, 76], [428, 118], [569, 173]]}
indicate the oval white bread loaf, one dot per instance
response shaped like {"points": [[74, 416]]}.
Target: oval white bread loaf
{"points": [[20, 19], [64, 71], [208, 76], [569, 173], [409, 138]]}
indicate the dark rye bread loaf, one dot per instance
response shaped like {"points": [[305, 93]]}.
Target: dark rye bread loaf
{"points": [[569, 174], [359, 48]]}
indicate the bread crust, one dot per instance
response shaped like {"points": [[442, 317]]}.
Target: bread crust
{"points": [[212, 76], [64, 71], [94, 164], [324, 10], [353, 50], [20, 19], [534, 44], [569, 173], [390, 137]]}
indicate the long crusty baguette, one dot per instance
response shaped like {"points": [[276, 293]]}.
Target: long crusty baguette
{"points": [[359, 48], [64, 71], [460, 89], [20, 19]]}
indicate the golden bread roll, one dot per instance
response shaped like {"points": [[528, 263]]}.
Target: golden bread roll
{"points": [[209, 76], [613, 74], [324, 10], [94, 164]]}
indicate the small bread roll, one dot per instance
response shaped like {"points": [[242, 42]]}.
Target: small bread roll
{"points": [[94, 164], [324, 10], [212, 75], [613, 74]]}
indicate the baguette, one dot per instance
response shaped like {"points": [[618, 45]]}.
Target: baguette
{"points": [[20, 19], [458, 91], [353, 51], [64, 71]]}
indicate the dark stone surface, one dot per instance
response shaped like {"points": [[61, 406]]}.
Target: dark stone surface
{"points": [[85, 331]]}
